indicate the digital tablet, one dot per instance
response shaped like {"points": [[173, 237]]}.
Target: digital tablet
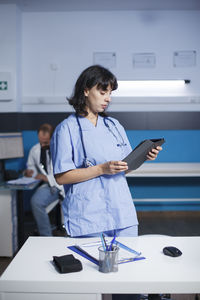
{"points": [[139, 154]]}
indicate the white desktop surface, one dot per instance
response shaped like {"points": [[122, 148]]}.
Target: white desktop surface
{"points": [[31, 271]]}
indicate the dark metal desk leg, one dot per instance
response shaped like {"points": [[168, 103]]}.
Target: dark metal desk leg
{"points": [[20, 216], [58, 217]]}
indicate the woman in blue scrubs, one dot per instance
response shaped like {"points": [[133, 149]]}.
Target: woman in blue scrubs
{"points": [[87, 151]]}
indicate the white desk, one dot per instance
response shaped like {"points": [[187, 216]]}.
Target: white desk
{"points": [[12, 217], [31, 274], [8, 222], [166, 170]]}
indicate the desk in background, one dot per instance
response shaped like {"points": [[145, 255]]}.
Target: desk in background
{"points": [[167, 174], [154, 169], [12, 218], [31, 274]]}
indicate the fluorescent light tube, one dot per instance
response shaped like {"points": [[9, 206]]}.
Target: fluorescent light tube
{"points": [[136, 87]]}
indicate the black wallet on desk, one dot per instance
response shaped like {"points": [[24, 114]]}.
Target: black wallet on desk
{"points": [[139, 154], [67, 263]]}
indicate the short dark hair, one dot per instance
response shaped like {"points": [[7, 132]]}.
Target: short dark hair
{"points": [[47, 128], [93, 75]]}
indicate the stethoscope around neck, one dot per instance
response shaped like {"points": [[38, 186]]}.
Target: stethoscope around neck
{"points": [[119, 139]]}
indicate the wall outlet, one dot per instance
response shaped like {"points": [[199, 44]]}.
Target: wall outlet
{"points": [[53, 67], [41, 100], [194, 100]]}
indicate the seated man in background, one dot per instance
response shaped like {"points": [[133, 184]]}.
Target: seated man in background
{"points": [[39, 166]]}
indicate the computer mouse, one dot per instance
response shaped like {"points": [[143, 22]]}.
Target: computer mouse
{"points": [[172, 251]]}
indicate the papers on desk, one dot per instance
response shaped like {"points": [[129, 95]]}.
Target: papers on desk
{"points": [[23, 181], [90, 251]]}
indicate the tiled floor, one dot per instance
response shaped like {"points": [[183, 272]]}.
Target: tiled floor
{"points": [[174, 223], [4, 262]]}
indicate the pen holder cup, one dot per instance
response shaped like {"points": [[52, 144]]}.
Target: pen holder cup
{"points": [[108, 260]]}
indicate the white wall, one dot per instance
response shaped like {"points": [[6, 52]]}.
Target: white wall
{"points": [[10, 52], [68, 40]]}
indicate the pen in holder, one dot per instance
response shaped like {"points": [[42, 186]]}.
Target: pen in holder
{"points": [[108, 260]]}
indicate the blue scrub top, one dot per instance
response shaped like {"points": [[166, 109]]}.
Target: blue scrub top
{"points": [[102, 203]]}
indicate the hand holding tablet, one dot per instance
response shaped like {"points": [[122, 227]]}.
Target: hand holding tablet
{"points": [[139, 155]]}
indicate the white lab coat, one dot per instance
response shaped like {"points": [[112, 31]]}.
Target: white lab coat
{"points": [[33, 163]]}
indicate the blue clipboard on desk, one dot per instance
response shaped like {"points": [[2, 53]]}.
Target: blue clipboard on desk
{"points": [[85, 251]]}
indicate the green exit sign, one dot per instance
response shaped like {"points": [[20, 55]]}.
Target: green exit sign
{"points": [[3, 85]]}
